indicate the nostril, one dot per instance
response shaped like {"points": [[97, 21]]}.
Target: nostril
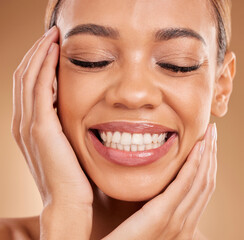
{"points": [[120, 105], [148, 106]]}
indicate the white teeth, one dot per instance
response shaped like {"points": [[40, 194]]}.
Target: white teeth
{"points": [[147, 139], [161, 137], [132, 142], [137, 138], [134, 148], [155, 145], [127, 148], [126, 138], [120, 146], [149, 146], [113, 145], [116, 137], [154, 138], [104, 136], [109, 137], [141, 147]]}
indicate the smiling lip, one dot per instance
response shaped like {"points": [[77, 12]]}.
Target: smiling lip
{"points": [[132, 127], [132, 158]]}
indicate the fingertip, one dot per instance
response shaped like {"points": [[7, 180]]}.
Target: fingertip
{"points": [[50, 31], [208, 129], [214, 131], [52, 34]]}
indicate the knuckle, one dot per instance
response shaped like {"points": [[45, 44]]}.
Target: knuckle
{"points": [[175, 228], [212, 185], [35, 131], [24, 78], [24, 132], [179, 218], [196, 164], [158, 218], [204, 184], [38, 87], [187, 186], [15, 133], [17, 74]]}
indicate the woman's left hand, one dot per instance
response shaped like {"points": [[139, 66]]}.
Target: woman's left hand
{"points": [[174, 214]]}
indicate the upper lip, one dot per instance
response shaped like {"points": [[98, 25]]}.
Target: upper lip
{"points": [[132, 127]]}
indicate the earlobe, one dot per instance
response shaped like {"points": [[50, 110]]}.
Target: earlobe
{"points": [[55, 94], [223, 85]]}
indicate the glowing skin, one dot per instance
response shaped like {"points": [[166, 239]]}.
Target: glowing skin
{"points": [[154, 71], [133, 88]]}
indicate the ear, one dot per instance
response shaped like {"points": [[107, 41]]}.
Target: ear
{"points": [[55, 94], [223, 85]]}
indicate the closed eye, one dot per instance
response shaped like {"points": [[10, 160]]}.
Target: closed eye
{"points": [[167, 66], [176, 69], [84, 64]]}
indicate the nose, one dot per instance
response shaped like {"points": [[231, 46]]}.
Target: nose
{"points": [[134, 88]]}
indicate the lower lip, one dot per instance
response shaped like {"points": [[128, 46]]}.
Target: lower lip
{"points": [[132, 158]]}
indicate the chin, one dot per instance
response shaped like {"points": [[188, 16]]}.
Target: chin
{"points": [[134, 187], [133, 196]]}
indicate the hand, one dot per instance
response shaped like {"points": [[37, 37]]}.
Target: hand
{"points": [[38, 132], [174, 214]]}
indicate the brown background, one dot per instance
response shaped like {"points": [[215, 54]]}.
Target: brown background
{"points": [[21, 23]]}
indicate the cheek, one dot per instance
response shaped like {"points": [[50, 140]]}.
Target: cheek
{"points": [[195, 102], [77, 94], [191, 100]]}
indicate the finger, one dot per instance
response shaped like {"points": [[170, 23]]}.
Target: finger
{"points": [[149, 222], [176, 223], [199, 207], [43, 91], [177, 190], [30, 76], [17, 92]]}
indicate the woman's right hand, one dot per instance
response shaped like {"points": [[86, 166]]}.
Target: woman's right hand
{"points": [[38, 132]]}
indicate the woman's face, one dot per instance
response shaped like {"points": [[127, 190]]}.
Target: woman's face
{"points": [[157, 67]]}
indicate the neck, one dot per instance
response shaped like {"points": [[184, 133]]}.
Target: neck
{"points": [[109, 213]]}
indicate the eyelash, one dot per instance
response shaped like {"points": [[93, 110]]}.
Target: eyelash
{"points": [[167, 66], [100, 64], [176, 69]]}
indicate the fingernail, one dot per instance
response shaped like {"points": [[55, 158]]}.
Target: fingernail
{"points": [[50, 31], [51, 48], [202, 146], [214, 131]]}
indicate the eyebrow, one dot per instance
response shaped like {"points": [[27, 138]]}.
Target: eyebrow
{"points": [[109, 32], [171, 33], [93, 29]]}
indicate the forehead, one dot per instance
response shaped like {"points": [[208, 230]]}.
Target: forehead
{"points": [[139, 16]]}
